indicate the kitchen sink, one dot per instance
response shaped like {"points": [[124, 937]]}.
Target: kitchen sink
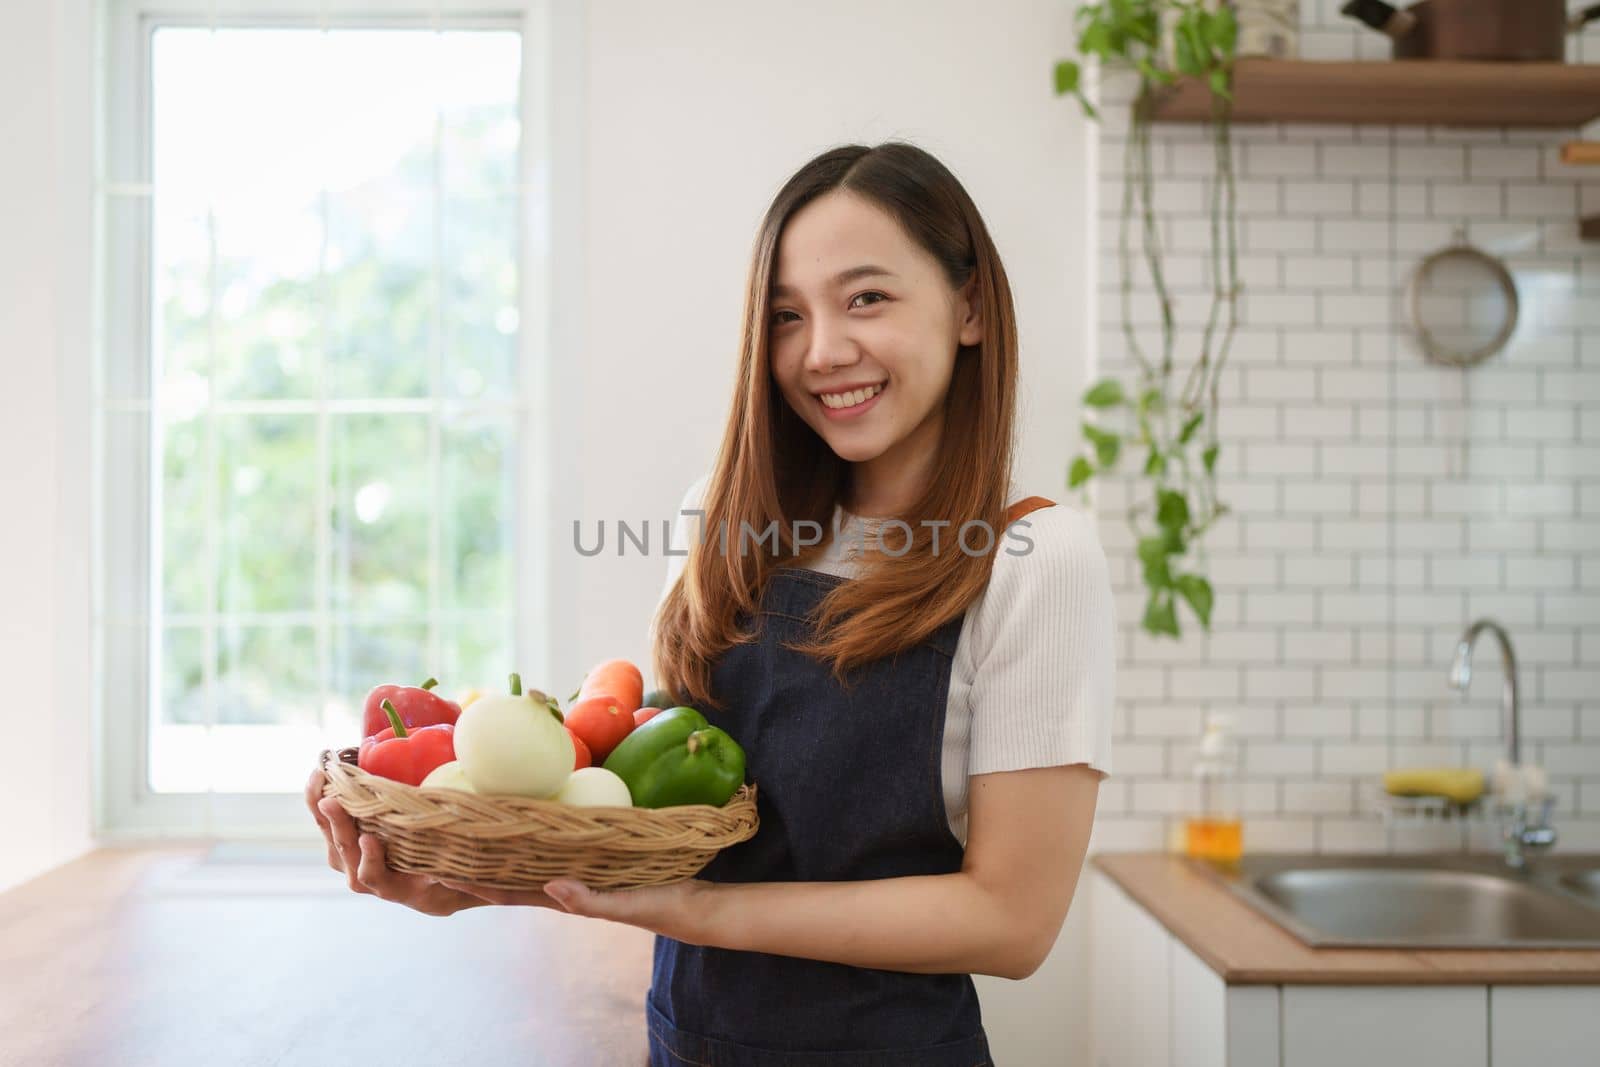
{"points": [[1585, 882], [1422, 901]]}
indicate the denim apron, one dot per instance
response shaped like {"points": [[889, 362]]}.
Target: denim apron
{"points": [[849, 789]]}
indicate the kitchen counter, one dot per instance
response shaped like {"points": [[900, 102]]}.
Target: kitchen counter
{"points": [[1246, 948], [177, 955]]}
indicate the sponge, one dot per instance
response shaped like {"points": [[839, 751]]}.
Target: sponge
{"points": [[1461, 784]]}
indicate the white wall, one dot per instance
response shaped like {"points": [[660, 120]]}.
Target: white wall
{"points": [[44, 237], [695, 114]]}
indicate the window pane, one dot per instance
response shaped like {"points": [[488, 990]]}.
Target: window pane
{"points": [[479, 128], [181, 303], [477, 654], [365, 656], [480, 304], [267, 308], [381, 298], [183, 676], [267, 675], [267, 496], [183, 516], [333, 229], [383, 510], [479, 508]]}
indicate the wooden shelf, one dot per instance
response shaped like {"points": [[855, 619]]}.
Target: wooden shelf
{"points": [[1584, 153], [1408, 91]]}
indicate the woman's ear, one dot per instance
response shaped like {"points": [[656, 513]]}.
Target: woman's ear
{"points": [[969, 312]]}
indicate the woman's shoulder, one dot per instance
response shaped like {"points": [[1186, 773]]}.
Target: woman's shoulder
{"points": [[1046, 557], [1056, 528]]}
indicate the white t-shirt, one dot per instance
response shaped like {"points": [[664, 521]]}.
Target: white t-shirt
{"points": [[1033, 679]]}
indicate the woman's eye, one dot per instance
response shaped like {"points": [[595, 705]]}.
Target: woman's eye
{"points": [[777, 320]]}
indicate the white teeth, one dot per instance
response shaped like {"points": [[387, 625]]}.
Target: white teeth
{"points": [[849, 400]]}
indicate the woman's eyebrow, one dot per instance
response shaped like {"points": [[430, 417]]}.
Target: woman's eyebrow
{"points": [[866, 270]]}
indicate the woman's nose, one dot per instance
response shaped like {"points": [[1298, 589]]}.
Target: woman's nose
{"points": [[830, 348]]}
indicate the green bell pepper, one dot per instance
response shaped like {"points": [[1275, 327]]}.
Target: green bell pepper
{"points": [[677, 757]]}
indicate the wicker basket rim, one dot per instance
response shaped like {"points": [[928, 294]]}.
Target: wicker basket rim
{"points": [[599, 814]]}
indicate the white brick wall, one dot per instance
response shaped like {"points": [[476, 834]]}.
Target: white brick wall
{"points": [[1381, 503]]}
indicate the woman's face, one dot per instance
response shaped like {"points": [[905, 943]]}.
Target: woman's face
{"points": [[892, 332]]}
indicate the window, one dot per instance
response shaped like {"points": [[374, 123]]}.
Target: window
{"points": [[311, 388]]}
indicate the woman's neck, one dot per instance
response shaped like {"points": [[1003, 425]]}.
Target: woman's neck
{"points": [[888, 485]]}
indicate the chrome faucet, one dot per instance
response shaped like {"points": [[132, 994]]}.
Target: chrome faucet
{"points": [[1528, 827]]}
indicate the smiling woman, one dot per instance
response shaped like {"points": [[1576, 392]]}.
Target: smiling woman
{"points": [[929, 726]]}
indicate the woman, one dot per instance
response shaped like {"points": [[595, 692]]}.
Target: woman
{"points": [[926, 714]]}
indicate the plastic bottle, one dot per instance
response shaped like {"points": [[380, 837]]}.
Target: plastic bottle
{"points": [[1214, 830]]}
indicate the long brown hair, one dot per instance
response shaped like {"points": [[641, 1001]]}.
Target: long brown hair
{"points": [[773, 468]]}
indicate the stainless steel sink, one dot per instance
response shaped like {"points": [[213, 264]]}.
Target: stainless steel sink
{"points": [[1584, 882], [1423, 901]]}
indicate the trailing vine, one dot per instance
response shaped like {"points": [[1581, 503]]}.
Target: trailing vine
{"points": [[1174, 422]]}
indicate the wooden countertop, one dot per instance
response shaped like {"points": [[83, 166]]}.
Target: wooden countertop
{"points": [[160, 956], [1246, 948]]}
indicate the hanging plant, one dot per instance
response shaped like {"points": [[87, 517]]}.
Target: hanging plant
{"points": [[1170, 416]]}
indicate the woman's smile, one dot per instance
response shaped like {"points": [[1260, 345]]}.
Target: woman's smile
{"points": [[850, 404]]}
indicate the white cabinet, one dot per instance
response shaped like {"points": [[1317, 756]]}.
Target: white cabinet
{"points": [[1546, 1025], [1385, 1026], [1154, 1003], [1157, 1004]]}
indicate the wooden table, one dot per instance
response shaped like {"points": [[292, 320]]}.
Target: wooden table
{"points": [[160, 956]]}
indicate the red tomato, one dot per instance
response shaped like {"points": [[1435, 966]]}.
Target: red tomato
{"points": [[617, 678], [601, 721], [580, 751], [643, 715]]}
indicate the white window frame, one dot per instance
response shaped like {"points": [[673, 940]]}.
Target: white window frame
{"points": [[550, 216]]}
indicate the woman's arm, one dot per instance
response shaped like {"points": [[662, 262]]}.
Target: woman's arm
{"points": [[1027, 833]]}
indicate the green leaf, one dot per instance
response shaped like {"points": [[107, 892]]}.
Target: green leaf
{"points": [[1107, 450], [1188, 59], [1104, 394], [1095, 39], [1153, 558], [1172, 510], [1159, 616], [1190, 427], [1156, 464], [1197, 591], [1081, 472], [1095, 434], [1088, 108], [1172, 537], [1150, 400], [1066, 77], [1209, 457], [1219, 83], [1221, 30]]}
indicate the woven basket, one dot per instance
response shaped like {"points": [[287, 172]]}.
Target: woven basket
{"points": [[521, 843]]}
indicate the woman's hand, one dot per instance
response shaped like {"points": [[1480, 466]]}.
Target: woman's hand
{"points": [[678, 910], [361, 860]]}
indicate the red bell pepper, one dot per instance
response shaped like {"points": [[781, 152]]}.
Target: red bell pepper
{"points": [[404, 755], [418, 706]]}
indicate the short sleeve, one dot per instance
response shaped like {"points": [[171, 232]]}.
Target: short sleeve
{"points": [[1044, 657]]}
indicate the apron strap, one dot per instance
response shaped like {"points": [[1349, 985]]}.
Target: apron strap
{"points": [[1025, 505]]}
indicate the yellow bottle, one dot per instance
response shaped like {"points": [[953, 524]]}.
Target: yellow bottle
{"points": [[1214, 830]]}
